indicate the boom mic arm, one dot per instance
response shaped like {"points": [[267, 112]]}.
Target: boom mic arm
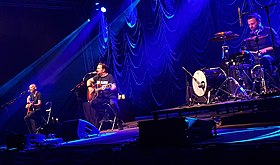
{"points": [[239, 16], [200, 84]]}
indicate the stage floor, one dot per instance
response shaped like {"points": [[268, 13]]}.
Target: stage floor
{"points": [[244, 136], [237, 144]]}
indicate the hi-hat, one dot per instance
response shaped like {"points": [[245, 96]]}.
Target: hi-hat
{"points": [[254, 38], [224, 36]]}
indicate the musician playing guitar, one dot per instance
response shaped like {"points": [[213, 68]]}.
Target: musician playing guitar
{"points": [[33, 106], [102, 88]]}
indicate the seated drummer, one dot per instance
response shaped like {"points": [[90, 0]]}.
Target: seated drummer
{"points": [[259, 42]]}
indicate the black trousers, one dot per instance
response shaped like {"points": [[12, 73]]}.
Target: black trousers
{"points": [[113, 102], [33, 120]]}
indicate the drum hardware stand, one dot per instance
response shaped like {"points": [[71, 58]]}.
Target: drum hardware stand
{"points": [[274, 84], [263, 84], [263, 89], [208, 96], [225, 51], [225, 54], [234, 95], [243, 75], [262, 81], [189, 99]]}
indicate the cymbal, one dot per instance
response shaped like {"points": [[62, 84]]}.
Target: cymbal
{"points": [[225, 33], [254, 38], [222, 38]]}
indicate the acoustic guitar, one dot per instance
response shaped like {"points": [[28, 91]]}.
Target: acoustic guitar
{"points": [[29, 107], [95, 93]]}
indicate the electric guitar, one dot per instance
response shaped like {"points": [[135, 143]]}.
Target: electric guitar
{"points": [[95, 93]]}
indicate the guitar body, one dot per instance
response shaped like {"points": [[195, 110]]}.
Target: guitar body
{"points": [[29, 107], [90, 95], [94, 92]]}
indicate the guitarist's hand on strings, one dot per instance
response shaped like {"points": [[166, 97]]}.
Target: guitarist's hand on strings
{"points": [[29, 107]]}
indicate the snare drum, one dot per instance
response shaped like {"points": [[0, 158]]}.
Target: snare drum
{"points": [[208, 79], [241, 58]]}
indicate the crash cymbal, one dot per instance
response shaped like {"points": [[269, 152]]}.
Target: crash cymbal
{"points": [[254, 38], [223, 38], [225, 33]]}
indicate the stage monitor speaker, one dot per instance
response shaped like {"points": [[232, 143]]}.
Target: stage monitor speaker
{"points": [[76, 129], [15, 141], [34, 140], [174, 131], [170, 131], [199, 129]]}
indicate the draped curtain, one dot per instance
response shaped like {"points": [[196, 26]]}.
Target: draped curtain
{"points": [[146, 47], [159, 37]]}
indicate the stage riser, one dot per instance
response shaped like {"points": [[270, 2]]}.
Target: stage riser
{"points": [[174, 131], [265, 117]]}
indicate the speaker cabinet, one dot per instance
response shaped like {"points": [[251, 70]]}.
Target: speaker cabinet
{"points": [[199, 130], [34, 139], [76, 129], [174, 131], [16, 141]]}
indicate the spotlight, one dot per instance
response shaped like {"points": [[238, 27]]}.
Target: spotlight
{"points": [[103, 9], [97, 6], [100, 6]]}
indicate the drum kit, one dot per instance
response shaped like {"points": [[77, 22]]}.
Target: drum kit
{"points": [[242, 78]]}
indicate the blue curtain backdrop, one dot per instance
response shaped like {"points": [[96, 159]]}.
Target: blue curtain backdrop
{"points": [[146, 47], [160, 36]]}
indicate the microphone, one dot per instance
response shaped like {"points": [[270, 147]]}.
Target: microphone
{"points": [[273, 4], [239, 16], [22, 93], [92, 72]]}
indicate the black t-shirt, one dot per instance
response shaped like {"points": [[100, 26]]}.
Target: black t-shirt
{"points": [[105, 81], [34, 98], [264, 41]]}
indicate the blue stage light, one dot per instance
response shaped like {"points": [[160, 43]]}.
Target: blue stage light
{"points": [[103, 9]]}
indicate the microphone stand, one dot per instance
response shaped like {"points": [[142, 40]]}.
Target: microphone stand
{"points": [[13, 100], [75, 89], [272, 35], [189, 99], [199, 83], [269, 24], [79, 85], [78, 98]]}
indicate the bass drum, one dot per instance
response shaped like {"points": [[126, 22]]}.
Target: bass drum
{"points": [[208, 79]]}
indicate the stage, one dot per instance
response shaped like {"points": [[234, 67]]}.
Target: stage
{"points": [[246, 132]]}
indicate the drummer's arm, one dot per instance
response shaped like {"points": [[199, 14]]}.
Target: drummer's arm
{"points": [[264, 50]]}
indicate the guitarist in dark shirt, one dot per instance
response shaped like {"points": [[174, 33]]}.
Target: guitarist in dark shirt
{"points": [[33, 106], [102, 88]]}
